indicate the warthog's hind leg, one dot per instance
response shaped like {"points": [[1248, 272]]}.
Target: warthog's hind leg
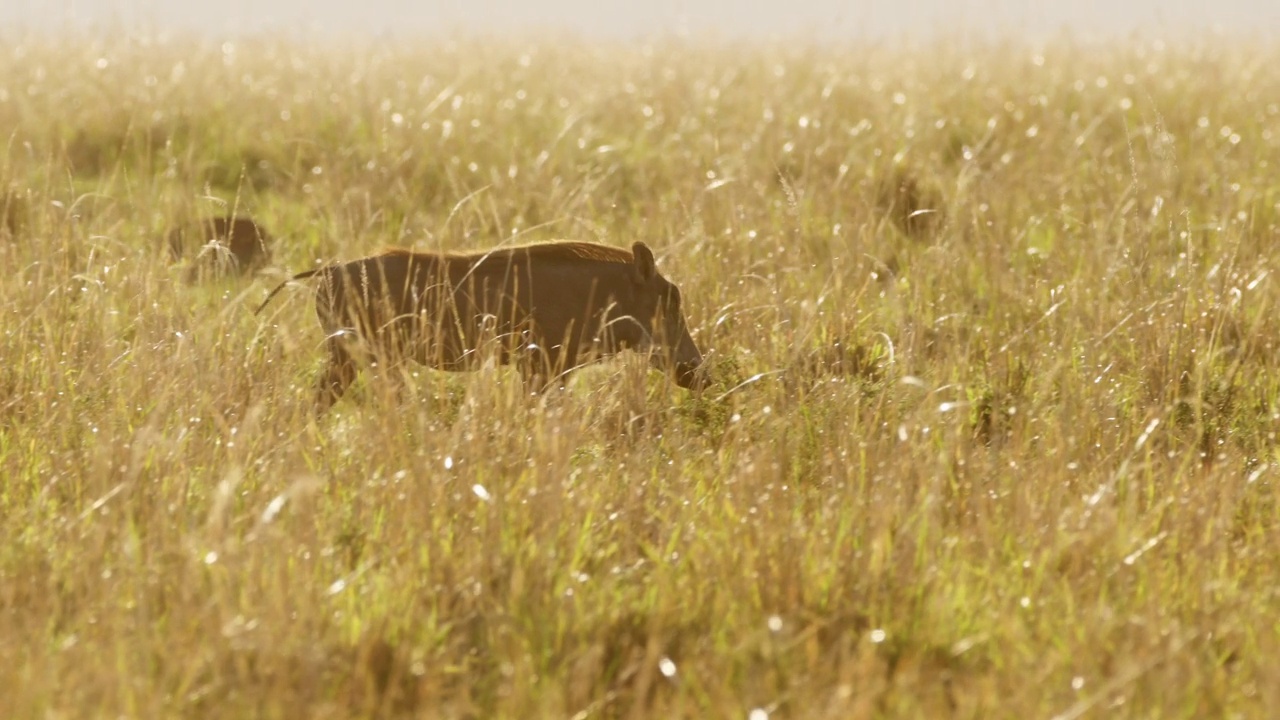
{"points": [[337, 377]]}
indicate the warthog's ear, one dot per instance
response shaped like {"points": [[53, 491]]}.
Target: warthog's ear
{"points": [[646, 268]]}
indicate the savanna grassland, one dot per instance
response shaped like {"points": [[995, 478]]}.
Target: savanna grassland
{"points": [[992, 433]]}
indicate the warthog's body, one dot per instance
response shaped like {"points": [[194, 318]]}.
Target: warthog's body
{"points": [[547, 308], [242, 244]]}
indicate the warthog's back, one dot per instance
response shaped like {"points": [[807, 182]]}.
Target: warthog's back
{"points": [[544, 295]]}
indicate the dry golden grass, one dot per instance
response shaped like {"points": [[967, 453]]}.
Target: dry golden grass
{"points": [[999, 319]]}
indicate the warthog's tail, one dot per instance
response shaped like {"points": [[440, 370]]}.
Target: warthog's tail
{"points": [[299, 276]]}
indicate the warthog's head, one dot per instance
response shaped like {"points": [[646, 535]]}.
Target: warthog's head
{"points": [[670, 346]]}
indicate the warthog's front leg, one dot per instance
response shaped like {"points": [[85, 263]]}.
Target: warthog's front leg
{"points": [[541, 370], [538, 381]]}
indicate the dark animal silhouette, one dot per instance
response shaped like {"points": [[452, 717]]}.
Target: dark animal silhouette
{"points": [[221, 245], [547, 308]]}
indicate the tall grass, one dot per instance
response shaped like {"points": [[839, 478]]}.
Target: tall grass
{"points": [[993, 434]]}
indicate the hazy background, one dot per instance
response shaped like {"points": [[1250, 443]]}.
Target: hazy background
{"points": [[829, 19]]}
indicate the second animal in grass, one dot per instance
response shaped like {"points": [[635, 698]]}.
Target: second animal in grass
{"points": [[546, 308], [221, 246]]}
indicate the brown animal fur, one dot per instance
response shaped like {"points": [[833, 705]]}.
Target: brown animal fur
{"points": [[547, 308], [13, 214], [242, 244]]}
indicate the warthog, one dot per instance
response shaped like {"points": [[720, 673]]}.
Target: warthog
{"points": [[242, 244], [547, 308]]}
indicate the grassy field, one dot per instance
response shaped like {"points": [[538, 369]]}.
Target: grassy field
{"points": [[993, 432]]}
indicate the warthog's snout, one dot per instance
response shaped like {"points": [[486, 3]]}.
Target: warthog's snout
{"points": [[685, 363], [691, 376]]}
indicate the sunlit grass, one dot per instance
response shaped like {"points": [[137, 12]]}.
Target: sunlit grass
{"points": [[993, 433]]}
